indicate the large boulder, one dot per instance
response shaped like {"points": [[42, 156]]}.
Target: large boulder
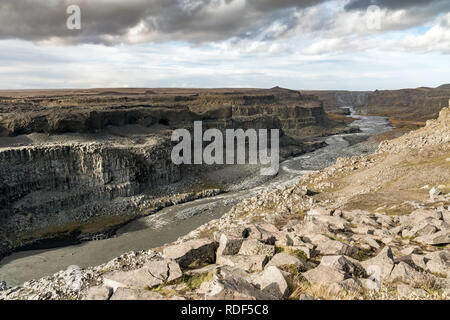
{"points": [[153, 273], [407, 274], [349, 266], [251, 247], [438, 262], [229, 285], [186, 253], [248, 263], [324, 275], [272, 282], [384, 261], [332, 247], [260, 232], [405, 291], [438, 238], [284, 259], [229, 245], [98, 293]]}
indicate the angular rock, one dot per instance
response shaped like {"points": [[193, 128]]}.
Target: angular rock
{"points": [[319, 211], [228, 285], [384, 260], [284, 259], [247, 263], [257, 232], [271, 281], [98, 293], [349, 266], [201, 250], [332, 247], [152, 274], [372, 243], [251, 247], [438, 262], [405, 273], [324, 275], [410, 250], [405, 291], [307, 249], [438, 238], [229, 245]]}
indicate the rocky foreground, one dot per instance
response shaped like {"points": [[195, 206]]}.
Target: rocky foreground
{"points": [[369, 227]]}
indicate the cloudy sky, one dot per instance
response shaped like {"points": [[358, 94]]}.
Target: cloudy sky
{"points": [[299, 44]]}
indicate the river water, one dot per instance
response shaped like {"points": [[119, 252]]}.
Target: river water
{"points": [[172, 222]]}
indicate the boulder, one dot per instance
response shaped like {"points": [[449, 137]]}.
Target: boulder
{"points": [[255, 231], [153, 273], [405, 291], [98, 293], [319, 211], [247, 263], [332, 247], [419, 215], [271, 281], [284, 259], [384, 260], [251, 247], [438, 262], [229, 245], [438, 238], [372, 243], [324, 275], [407, 274], [228, 285], [186, 253], [349, 266]]}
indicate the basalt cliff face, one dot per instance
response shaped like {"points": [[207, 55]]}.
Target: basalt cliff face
{"points": [[79, 163]]}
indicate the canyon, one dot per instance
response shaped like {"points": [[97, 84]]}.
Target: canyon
{"points": [[77, 165], [107, 178]]}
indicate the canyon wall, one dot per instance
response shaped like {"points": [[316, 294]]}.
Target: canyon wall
{"points": [[56, 185], [419, 104]]}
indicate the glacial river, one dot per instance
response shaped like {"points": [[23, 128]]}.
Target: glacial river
{"points": [[170, 223]]}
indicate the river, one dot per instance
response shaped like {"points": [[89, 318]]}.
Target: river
{"points": [[172, 222]]}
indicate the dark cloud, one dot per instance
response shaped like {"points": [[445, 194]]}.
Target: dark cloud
{"points": [[110, 20]]}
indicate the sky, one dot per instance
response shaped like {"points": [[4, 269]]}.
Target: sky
{"points": [[297, 44]]}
